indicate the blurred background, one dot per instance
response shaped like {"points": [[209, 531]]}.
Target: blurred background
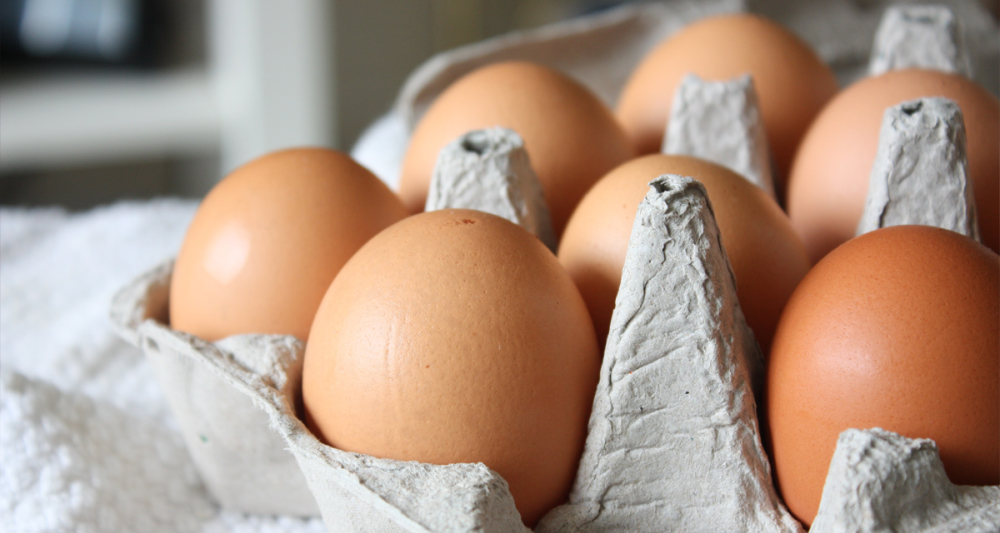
{"points": [[108, 99], [102, 100]]}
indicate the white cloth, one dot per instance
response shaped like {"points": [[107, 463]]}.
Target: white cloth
{"points": [[87, 442]]}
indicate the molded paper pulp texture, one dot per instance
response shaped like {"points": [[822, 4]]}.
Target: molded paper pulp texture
{"points": [[881, 481], [242, 462], [673, 442], [919, 37], [488, 170], [719, 121], [919, 175]]}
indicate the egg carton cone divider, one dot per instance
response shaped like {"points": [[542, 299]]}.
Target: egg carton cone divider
{"points": [[673, 443], [919, 36], [881, 481], [920, 173], [489, 170], [719, 121]]}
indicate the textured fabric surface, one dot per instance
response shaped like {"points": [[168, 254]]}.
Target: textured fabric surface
{"points": [[87, 442]]}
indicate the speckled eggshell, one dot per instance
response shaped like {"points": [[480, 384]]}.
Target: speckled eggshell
{"points": [[571, 137], [896, 329], [767, 258], [456, 336], [268, 240], [791, 81], [829, 180]]}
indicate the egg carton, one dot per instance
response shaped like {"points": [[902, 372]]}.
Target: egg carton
{"points": [[705, 435], [673, 441], [655, 459]]}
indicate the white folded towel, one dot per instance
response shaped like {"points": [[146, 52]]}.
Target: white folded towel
{"points": [[87, 442]]}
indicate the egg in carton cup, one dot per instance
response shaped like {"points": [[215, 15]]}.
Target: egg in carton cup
{"points": [[673, 441]]}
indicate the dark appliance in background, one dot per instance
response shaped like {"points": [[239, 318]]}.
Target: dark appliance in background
{"points": [[128, 33]]}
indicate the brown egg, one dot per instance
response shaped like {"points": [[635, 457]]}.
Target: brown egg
{"points": [[457, 337], [829, 180], [895, 329], [570, 135], [792, 82], [767, 258], [268, 240]]}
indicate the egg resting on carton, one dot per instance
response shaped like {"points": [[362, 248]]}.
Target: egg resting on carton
{"points": [[718, 123], [571, 136], [829, 181], [269, 238], [897, 329], [767, 257], [456, 336]]}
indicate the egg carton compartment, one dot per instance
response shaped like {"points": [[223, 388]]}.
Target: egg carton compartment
{"points": [[241, 460], [673, 441], [354, 492]]}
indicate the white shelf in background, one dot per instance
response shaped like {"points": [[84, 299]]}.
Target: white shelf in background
{"points": [[71, 118]]}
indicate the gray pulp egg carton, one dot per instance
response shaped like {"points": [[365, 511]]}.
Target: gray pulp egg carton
{"points": [[673, 442]]}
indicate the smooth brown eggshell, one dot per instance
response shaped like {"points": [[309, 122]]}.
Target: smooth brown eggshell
{"points": [[895, 329], [268, 240], [571, 137], [766, 256], [456, 336], [829, 181], [791, 81]]}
